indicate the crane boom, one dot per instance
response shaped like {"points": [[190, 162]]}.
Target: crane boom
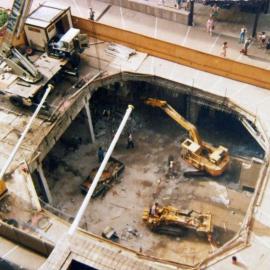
{"points": [[162, 104], [200, 154], [20, 65]]}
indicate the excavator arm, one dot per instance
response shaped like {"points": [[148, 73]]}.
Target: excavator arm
{"points": [[162, 104]]}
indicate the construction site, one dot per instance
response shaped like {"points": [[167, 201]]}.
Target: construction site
{"points": [[124, 150]]}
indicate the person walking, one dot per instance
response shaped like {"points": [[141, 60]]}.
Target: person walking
{"points": [[214, 11], [130, 143], [91, 14], [262, 39], [246, 46], [210, 25], [178, 4], [242, 35], [100, 154], [224, 48]]}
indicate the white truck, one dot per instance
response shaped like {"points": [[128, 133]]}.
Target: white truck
{"points": [[50, 32]]}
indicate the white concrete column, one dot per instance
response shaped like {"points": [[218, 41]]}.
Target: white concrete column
{"points": [[31, 189], [45, 183], [89, 118], [88, 196], [27, 128]]}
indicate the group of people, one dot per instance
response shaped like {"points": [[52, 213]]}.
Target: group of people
{"points": [[243, 38], [261, 37]]}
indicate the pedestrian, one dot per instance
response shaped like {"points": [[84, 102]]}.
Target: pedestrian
{"points": [[91, 14], [214, 12], [234, 260], [242, 35], [130, 143], [210, 25], [178, 4], [100, 154], [224, 49], [246, 46], [263, 39], [267, 47], [188, 4]]}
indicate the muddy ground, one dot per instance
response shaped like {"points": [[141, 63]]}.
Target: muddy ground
{"points": [[145, 180]]}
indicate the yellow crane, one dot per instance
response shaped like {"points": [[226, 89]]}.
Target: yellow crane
{"points": [[201, 155]]}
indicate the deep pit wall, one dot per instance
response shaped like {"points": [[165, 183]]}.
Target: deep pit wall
{"points": [[197, 97]]}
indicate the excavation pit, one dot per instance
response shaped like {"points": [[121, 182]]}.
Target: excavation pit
{"points": [[145, 178]]}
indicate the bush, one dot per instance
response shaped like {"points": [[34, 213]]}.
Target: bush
{"points": [[3, 17]]}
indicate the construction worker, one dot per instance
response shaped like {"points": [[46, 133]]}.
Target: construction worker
{"points": [[154, 210], [100, 154], [130, 143]]}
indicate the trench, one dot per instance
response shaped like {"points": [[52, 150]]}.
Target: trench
{"points": [[145, 178]]}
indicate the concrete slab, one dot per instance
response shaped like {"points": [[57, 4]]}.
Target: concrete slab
{"points": [[25, 258], [19, 255]]}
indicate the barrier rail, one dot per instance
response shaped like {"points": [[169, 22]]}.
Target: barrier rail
{"points": [[217, 65], [25, 239]]}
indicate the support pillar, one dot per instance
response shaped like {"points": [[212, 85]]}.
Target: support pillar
{"points": [[193, 110], [257, 15], [89, 118], [45, 183], [212, 113]]}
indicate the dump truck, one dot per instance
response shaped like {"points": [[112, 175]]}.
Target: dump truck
{"points": [[198, 153], [110, 176], [176, 222]]}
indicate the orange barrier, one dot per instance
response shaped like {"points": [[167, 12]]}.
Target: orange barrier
{"points": [[176, 53]]}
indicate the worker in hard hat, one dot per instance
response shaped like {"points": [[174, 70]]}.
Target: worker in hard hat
{"points": [[155, 210]]}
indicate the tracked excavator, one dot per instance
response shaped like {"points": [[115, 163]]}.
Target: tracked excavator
{"points": [[176, 222], [201, 155]]}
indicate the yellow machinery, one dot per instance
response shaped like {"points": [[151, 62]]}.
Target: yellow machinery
{"points": [[201, 155], [3, 189], [171, 220]]}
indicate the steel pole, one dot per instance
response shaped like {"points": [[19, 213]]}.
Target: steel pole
{"points": [[29, 124], [88, 196]]}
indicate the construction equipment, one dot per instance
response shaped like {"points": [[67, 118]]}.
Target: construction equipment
{"points": [[201, 155], [110, 234], [49, 30], [3, 189], [17, 62], [109, 176], [170, 220]]}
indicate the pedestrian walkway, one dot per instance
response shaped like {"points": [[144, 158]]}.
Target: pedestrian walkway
{"points": [[227, 28]]}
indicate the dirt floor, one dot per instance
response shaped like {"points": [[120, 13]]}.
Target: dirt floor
{"points": [[145, 180]]}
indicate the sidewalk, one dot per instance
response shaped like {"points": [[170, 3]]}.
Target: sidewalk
{"points": [[227, 27]]}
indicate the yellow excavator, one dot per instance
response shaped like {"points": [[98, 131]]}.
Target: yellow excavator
{"points": [[201, 155], [176, 222]]}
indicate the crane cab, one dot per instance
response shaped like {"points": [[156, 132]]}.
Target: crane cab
{"points": [[218, 155], [191, 147]]}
